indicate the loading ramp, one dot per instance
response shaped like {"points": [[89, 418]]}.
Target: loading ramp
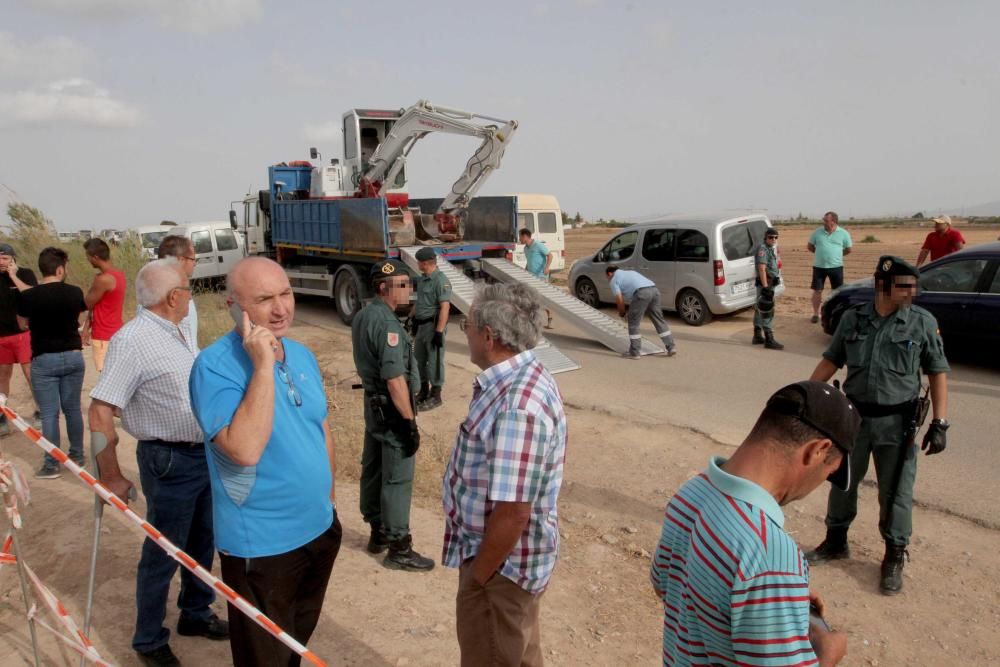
{"points": [[610, 332], [463, 290]]}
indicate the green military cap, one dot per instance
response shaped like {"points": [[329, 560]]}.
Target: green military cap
{"points": [[389, 268], [890, 265], [426, 254]]}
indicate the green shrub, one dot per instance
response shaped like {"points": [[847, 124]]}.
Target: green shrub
{"points": [[871, 238]]}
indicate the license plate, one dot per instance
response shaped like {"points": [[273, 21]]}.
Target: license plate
{"points": [[742, 287]]}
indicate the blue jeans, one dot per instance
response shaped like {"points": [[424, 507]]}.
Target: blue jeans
{"points": [[179, 504], [56, 380]]}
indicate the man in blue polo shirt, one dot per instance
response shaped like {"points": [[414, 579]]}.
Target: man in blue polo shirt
{"points": [[259, 399], [642, 297], [830, 243], [734, 585]]}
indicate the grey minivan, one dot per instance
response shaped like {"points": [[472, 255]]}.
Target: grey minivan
{"points": [[702, 265]]}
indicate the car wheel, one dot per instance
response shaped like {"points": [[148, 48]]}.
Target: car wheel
{"points": [[586, 291], [693, 308]]}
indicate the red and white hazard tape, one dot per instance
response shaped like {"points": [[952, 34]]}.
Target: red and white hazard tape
{"points": [[152, 533], [76, 640]]}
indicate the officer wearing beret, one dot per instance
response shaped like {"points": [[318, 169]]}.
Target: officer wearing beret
{"points": [[383, 357], [768, 277], [885, 345], [430, 317]]}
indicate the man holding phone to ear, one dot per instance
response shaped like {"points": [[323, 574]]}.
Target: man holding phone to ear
{"points": [[383, 355], [260, 400]]}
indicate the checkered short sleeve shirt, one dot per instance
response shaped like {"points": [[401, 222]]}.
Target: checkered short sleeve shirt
{"points": [[510, 448]]}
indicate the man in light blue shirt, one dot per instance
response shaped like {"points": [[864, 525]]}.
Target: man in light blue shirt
{"points": [[537, 260], [829, 243], [642, 297]]}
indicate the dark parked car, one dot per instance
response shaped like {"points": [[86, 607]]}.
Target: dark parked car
{"points": [[961, 290]]}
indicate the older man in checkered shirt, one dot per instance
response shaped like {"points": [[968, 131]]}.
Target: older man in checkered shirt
{"points": [[501, 485], [146, 375]]}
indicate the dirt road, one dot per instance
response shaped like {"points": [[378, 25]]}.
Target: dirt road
{"points": [[626, 456]]}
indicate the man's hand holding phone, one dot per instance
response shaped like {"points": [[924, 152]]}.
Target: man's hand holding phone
{"points": [[258, 341]]}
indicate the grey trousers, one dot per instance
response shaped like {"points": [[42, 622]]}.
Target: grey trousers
{"points": [[646, 300]]}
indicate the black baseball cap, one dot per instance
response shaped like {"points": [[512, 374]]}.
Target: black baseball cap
{"points": [[827, 410], [7, 249], [771, 231]]}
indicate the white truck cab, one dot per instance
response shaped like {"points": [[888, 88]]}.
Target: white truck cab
{"points": [[542, 215]]}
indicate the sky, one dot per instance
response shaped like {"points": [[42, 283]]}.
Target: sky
{"points": [[120, 113]]}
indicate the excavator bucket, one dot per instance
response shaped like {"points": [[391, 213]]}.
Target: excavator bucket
{"points": [[401, 227]]}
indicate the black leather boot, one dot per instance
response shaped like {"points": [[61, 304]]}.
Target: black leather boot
{"points": [[377, 543], [402, 557], [758, 336], [769, 341], [432, 401], [833, 547], [891, 582], [425, 391]]}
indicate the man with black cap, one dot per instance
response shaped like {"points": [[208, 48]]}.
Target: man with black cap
{"points": [[383, 356], [768, 277], [15, 340], [885, 345], [733, 584], [430, 318]]}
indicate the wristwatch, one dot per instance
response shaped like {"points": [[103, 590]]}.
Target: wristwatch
{"points": [[941, 424]]}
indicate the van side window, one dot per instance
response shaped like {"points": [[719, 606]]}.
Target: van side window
{"points": [[526, 221], [692, 246], [225, 239], [202, 243], [658, 245], [619, 248], [737, 243], [547, 223]]}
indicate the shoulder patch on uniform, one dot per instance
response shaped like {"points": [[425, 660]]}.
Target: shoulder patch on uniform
{"points": [[392, 338], [447, 286]]}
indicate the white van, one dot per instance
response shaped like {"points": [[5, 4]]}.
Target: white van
{"points": [[216, 245], [702, 265], [542, 215], [150, 237]]}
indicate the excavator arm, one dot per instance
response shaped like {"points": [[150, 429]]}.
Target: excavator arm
{"points": [[417, 122]]}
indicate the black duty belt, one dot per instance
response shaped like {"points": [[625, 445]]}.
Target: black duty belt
{"points": [[178, 445], [878, 410], [420, 322]]}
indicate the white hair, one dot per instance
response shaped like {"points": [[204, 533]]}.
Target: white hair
{"points": [[155, 281], [512, 311]]}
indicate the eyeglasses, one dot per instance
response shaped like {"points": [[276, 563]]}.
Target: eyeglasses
{"points": [[905, 285], [293, 393], [185, 288], [190, 259]]}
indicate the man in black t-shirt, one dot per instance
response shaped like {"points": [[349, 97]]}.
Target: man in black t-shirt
{"points": [[15, 341]]}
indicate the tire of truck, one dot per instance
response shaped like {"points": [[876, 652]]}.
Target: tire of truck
{"points": [[693, 308], [348, 292]]}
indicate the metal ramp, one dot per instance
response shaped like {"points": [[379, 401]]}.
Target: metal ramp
{"points": [[610, 332], [463, 290]]}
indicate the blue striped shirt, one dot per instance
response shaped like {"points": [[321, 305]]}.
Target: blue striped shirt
{"points": [[734, 585]]}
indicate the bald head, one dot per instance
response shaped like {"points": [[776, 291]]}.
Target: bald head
{"points": [[261, 288]]}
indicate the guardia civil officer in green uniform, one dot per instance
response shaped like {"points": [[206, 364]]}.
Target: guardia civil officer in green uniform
{"points": [[430, 318], [885, 345], [383, 356], [768, 277]]}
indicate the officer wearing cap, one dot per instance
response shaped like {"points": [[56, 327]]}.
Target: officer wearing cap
{"points": [[383, 356], [885, 345], [768, 277], [430, 318]]}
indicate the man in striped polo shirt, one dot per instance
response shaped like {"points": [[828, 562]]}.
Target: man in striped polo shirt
{"points": [[734, 585]]}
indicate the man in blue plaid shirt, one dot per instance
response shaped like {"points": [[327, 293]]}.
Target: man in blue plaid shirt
{"points": [[501, 485]]}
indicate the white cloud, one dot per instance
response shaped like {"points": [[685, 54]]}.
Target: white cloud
{"points": [[66, 102], [200, 16], [46, 58], [322, 131]]}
